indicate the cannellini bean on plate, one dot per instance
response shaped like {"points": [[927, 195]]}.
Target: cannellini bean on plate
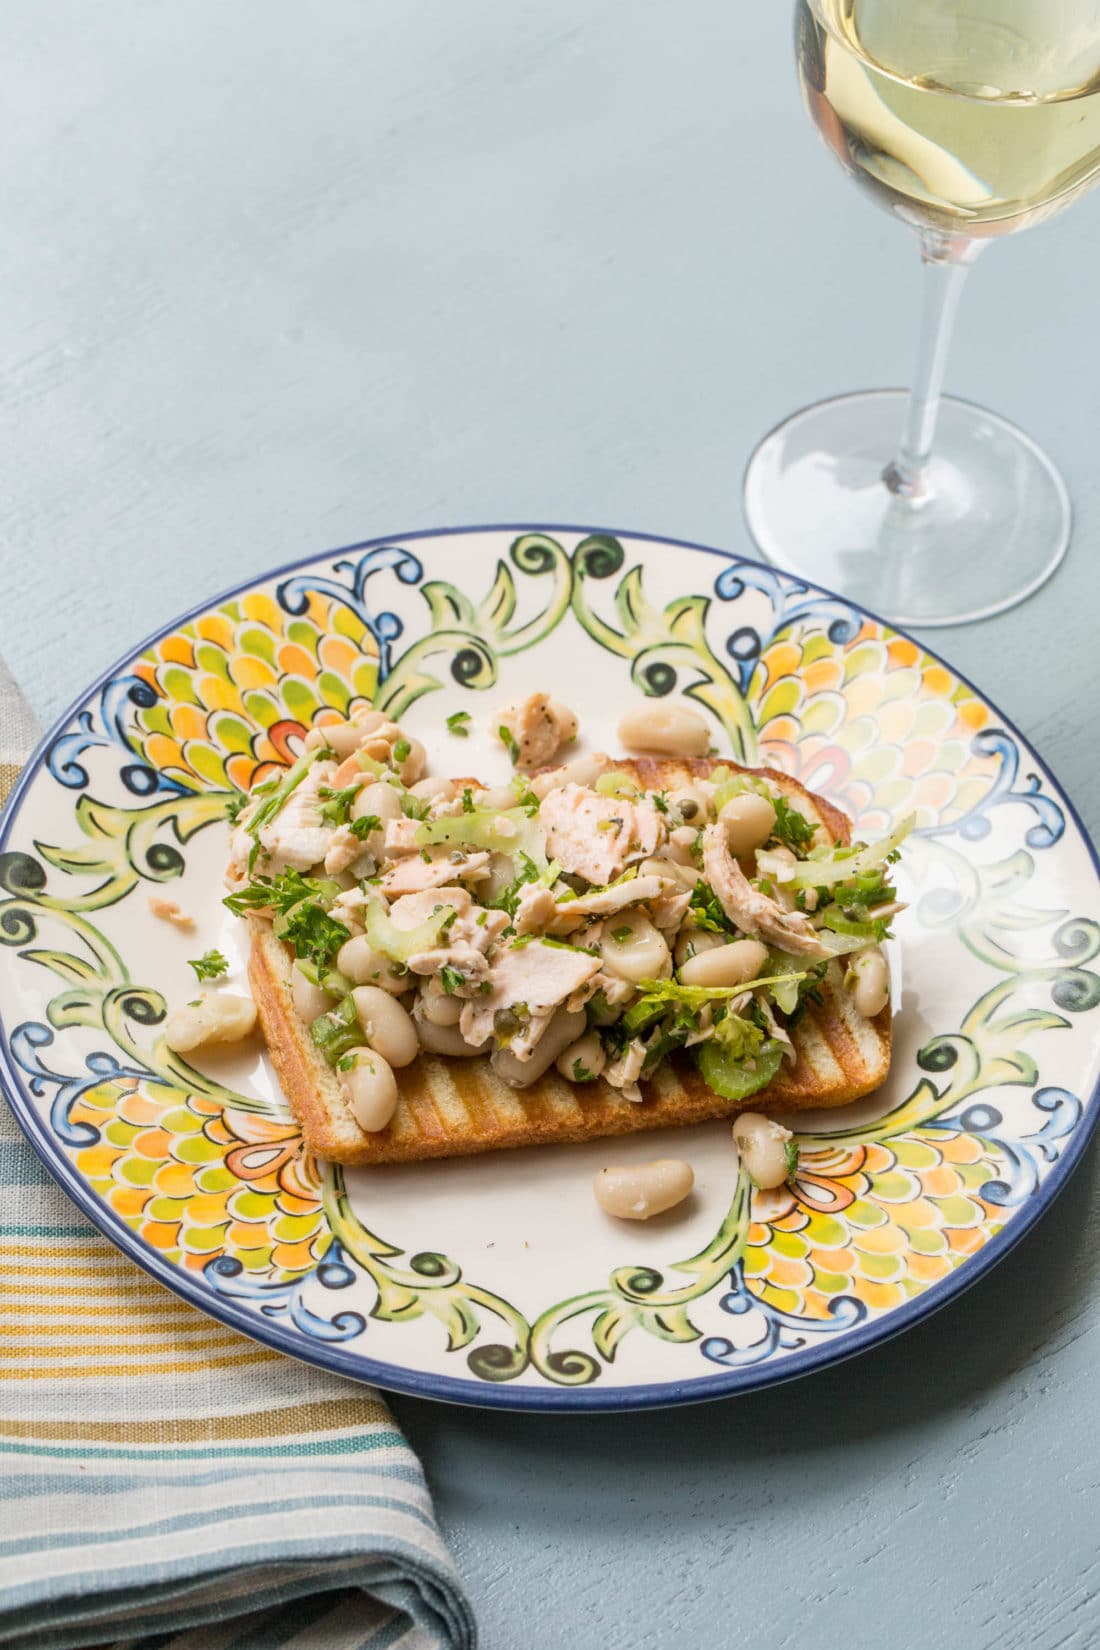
{"points": [[692, 942], [358, 960], [583, 770], [496, 796], [869, 973], [635, 1191], [633, 949], [215, 1017], [367, 720], [371, 1089], [377, 799], [762, 1143], [666, 730], [447, 1040], [309, 1000], [681, 841], [691, 803], [749, 821], [387, 1026], [562, 1030], [440, 1009], [430, 790], [725, 965], [585, 1055]]}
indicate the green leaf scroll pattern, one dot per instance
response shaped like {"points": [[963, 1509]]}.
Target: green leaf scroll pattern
{"points": [[100, 993], [431, 1284], [474, 636], [664, 646]]}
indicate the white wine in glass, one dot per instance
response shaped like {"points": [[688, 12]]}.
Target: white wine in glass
{"points": [[967, 119]]}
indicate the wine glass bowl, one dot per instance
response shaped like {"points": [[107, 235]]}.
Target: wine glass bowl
{"points": [[968, 119]]}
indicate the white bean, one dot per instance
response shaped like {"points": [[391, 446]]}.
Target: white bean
{"points": [[364, 966], [368, 720], [378, 799], [692, 942], [497, 796], [387, 1026], [586, 1054], [667, 730], [342, 737], [430, 790], [309, 1000], [583, 770], [680, 844], [691, 803], [440, 1009], [561, 1031], [216, 1017], [371, 1089], [411, 767], [447, 1040], [869, 973], [762, 1143], [633, 949], [749, 821], [724, 965], [636, 1191]]}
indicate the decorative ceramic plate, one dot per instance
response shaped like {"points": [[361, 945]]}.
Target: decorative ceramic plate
{"points": [[497, 1280]]}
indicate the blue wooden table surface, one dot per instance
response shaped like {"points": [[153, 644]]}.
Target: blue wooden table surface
{"points": [[276, 278]]}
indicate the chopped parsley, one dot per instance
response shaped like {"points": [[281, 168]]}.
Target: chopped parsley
{"points": [[412, 807], [706, 910], [236, 806], [451, 979], [280, 893], [468, 801], [336, 804], [458, 724], [621, 935], [791, 829], [313, 934], [660, 801], [401, 750], [363, 827], [209, 966], [790, 1149], [581, 1073]]}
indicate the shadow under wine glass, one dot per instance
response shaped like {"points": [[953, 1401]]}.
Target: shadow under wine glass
{"points": [[967, 120]]}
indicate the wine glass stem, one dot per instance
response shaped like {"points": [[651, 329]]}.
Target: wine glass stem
{"points": [[946, 260]]}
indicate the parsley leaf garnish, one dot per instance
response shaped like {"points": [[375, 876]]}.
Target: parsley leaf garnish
{"points": [[336, 804], [508, 740], [209, 966], [236, 806], [450, 979], [457, 723], [363, 827]]}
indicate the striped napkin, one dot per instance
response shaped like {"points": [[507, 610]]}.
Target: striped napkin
{"points": [[166, 1484]]}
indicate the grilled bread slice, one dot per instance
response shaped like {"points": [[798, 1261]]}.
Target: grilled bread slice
{"points": [[455, 1108]]}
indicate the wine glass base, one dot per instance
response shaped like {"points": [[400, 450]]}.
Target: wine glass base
{"points": [[993, 527]]}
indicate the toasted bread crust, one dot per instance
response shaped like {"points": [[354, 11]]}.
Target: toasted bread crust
{"points": [[455, 1108]]}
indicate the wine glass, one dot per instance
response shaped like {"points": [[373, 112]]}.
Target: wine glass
{"points": [[967, 119]]}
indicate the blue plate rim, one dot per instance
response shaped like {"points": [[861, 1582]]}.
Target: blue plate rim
{"points": [[484, 1395]]}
